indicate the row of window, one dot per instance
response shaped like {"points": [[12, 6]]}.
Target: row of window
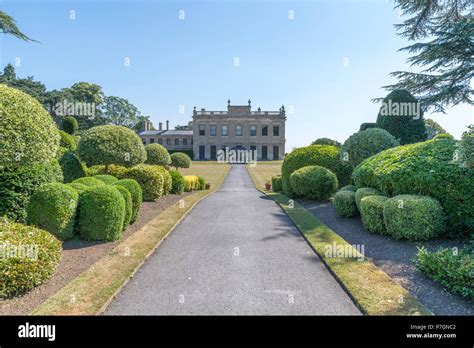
{"points": [[238, 130], [168, 141]]}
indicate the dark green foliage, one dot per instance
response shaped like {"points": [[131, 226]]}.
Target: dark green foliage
{"points": [[413, 217], [70, 125], [452, 268], [18, 184], [28, 133], [364, 192], [157, 154], [180, 160], [150, 179], [433, 129], [427, 168], [117, 171], [72, 167], [348, 188], [202, 183], [407, 127], [177, 186], [466, 148], [106, 179], [128, 205], [344, 203], [78, 187], [52, 207], [111, 145], [90, 182], [326, 141], [371, 211], [362, 145], [322, 155], [8, 26], [167, 181], [367, 125], [313, 182], [190, 153], [19, 274], [136, 192], [67, 141], [276, 183], [101, 213]]}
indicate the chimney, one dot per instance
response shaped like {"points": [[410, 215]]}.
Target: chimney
{"points": [[167, 125], [145, 126], [160, 126]]}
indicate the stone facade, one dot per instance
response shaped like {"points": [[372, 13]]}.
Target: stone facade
{"points": [[238, 128]]}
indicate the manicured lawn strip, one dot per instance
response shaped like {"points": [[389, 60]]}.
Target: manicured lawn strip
{"points": [[92, 291], [263, 172]]}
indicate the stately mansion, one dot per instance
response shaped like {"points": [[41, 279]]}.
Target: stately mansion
{"points": [[237, 128]]}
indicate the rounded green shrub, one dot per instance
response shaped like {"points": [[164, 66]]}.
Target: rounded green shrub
{"points": [[362, 145], [413, 217], [367, 125], [78, 187], [114, 170], [326, 141], [150, 179], [344, 203], [106, 179], [425, 168], [396, 118], [135, 190], [18, 184], [180, 160], [72, 167], [29, 257], [67, 141], [348, 188], [177, 186], [202, 183], [70, 125], [191, 182], [128, 205], [111, 145], [276, 183], [167, 180], [28, 132], [313, 182], [101, 213], [88, 181], [157, 154], [322, 155], [371, 211], [364, 192], [53, 208]]}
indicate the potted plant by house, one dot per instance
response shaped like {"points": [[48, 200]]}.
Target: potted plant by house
{"points": [[268, 186], [208, 185]]}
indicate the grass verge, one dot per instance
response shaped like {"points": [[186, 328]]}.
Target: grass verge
{"points": [[92, 291], [372, 290]]}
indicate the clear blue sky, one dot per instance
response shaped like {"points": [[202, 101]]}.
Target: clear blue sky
{"points": [[296, 62]]}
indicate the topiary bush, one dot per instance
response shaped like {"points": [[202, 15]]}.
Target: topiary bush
{"points": [[451, 268], [128, 205], [322, 155], [425, 168], [407, 127], [367, 125], [180, 160], [191, 182], [367, 143], [53, 207], [29, 134], [202, 183], [276, 183], [371, 211], [413, 217], [18, 184], [177, 186], [101, 213], [111, 145], [364, 192], [114, 170], [29, 257], [313, 182], [106, 179], [72, 167], [157, 154], [167, 180], [70, 125], [348, 188], [326, 141], [135, 190], [149, 178], [88, 181], [344, 203], [67, 141], [78, 187]]}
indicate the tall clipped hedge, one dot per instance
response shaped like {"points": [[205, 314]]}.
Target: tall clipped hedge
{"points": [[72, 167], [111, 145], [150, 179], [409, 128], [425, 168], [28, 132], [322, 155], [157, 154], [137, 197]]}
